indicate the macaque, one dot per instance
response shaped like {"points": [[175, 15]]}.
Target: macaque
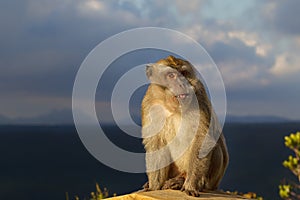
{"points": [[177, 119]]}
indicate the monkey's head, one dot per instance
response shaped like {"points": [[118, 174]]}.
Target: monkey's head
{"points": [[174, 78]]}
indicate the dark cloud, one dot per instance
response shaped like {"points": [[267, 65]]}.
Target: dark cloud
{"points": [[235, 50], [279, 98], [42, 44], [41, 54], [285, 17], [121, 65]]}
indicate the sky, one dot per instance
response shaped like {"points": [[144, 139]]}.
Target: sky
{"points": [[255, 44]]}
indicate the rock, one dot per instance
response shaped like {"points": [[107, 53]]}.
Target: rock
{"points": [[175, 195]]}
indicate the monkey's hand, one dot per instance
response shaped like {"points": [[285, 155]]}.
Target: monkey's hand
{"points": [[145, 187]]}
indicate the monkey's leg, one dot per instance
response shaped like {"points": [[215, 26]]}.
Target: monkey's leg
{"points": [[174, 183], [197, 175], [157, 175], [218, 166], [157, 178]]}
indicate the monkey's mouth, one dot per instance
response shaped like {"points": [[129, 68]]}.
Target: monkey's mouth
{"points": [[182, 96]]}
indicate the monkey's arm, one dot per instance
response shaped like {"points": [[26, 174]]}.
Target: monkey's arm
{"points": [[157, 163], [157, 156]]}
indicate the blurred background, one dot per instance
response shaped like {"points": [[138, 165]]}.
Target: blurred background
{"points": [[255, 44]]}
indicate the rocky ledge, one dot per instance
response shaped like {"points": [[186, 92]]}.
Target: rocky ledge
{"points": [[175, 195]]}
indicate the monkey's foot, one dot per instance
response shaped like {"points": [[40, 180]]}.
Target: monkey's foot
{"points": [[191, 190], [194, 193], [174, 183]]}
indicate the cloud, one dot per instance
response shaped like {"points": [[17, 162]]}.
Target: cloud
{"points": [[43, 51], [283, 16], [240, 64], [187, 8], [94, 5], [254, 43], [286, 64], [251, 40], [233, 51], [243, 56]]}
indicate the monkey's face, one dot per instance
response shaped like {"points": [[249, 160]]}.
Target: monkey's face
{"points": [[174, 82]]}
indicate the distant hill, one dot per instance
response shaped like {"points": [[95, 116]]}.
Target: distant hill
{"points": [[5, 120], [256, 119], [55, 117], [65, 117]]}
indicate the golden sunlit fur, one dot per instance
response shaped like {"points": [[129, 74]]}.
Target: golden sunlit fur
{"points": [[190, 173]]}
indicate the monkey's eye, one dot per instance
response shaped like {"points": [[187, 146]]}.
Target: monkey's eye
{"points": [[172, 75]]}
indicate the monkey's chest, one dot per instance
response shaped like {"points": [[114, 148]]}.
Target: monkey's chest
{"points": [[181, 139], [179, 142]]}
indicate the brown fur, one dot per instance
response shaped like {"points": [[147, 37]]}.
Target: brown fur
{"points": [[189, 173]]}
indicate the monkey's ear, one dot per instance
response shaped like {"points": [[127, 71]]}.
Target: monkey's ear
{"points": [[149, 68], [184, 70], [184, 67]]}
